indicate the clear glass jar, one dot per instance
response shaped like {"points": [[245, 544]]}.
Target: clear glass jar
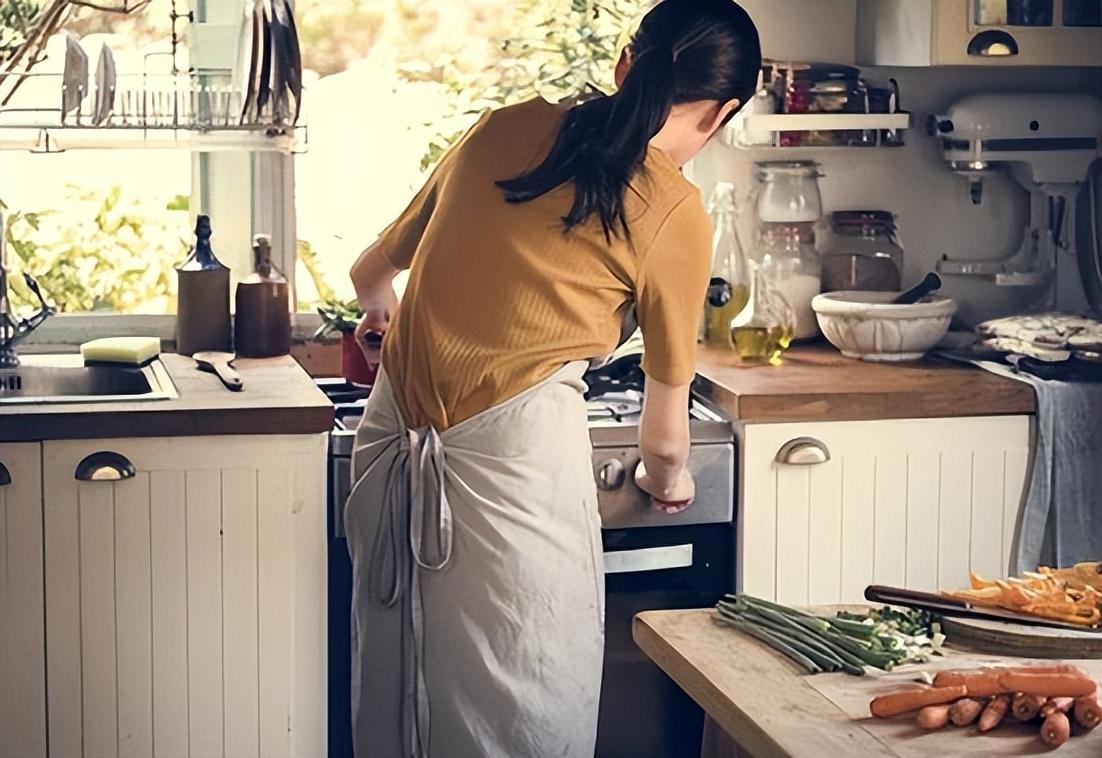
{"points": [[793, 267], [788, 192], [863, 252], [763, 330]]}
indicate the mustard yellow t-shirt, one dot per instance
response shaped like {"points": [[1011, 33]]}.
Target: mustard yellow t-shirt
{"points": [[500, 296]]}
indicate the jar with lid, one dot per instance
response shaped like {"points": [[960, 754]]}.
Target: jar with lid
{"points": [[762, 331], [792, 264], [862, 253], [788, 192]]}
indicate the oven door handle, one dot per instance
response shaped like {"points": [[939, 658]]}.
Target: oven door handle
{"points": [[648, 559]]}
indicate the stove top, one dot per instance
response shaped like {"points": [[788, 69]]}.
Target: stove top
{"points": [[613, 415]]}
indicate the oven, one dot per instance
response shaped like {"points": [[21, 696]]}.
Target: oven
{"points": [[653, 561], [657, 561]]}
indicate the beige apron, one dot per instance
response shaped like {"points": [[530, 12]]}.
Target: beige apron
{"points": [[478, 594]]}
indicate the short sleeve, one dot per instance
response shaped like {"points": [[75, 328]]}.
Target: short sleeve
{"points": [[670, 289], [399, 241]]}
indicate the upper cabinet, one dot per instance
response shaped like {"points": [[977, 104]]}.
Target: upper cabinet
{"points": [[979, 32]]}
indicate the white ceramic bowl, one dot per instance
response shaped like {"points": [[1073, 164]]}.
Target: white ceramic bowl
{"points": [[867, 325]]}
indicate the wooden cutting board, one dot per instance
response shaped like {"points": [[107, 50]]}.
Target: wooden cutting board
{"points": [[773, 710], [852, 694], [1000, 637]]}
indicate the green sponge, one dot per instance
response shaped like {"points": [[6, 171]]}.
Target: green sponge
{"points": [[132, 350]]}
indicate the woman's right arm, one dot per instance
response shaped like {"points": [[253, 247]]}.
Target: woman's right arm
{"points": [[373, 279], [664, 446], [673, 277]]}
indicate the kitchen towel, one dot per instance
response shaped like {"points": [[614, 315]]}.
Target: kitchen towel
{"points": [[1061, 521]]}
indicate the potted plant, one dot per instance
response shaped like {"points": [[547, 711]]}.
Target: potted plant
{"points": [[343, 317]]}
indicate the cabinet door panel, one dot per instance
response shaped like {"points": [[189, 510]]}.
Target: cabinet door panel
{"points": [[916, 503], [825, 543], [168, 558], [179, 599], [858, 511], [22, 645]]}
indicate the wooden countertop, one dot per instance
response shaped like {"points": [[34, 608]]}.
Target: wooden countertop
{"points": [[817, 383], [279, 397], [772, 710]]}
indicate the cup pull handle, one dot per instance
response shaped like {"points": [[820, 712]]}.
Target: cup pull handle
{"points": [[803, 451], [104, 466], [5, 475]]}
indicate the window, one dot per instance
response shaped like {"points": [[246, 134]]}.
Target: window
{"points": [[395, 81], [389, 84]]}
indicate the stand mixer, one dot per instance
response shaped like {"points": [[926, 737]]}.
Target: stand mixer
{"points": [[1047, 142]]}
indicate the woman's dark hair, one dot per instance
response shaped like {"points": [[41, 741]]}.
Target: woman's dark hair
{"points": [[684, 51]]}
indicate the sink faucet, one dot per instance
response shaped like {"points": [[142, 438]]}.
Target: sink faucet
{"points": [[13, 328]]}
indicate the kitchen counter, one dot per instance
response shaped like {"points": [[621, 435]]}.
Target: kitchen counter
{"points": [[760, 704], [279, 397], [817, 383]]}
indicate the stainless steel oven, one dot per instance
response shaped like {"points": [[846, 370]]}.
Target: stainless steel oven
{"points": [[656, 561]]}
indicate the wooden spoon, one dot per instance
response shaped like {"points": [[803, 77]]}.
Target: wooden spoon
{"points": [[220, 363]]}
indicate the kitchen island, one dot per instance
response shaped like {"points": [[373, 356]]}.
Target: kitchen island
{"points": [[761, 705]]}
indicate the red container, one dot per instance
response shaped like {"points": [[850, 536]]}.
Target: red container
{"points": [[354, 365]]}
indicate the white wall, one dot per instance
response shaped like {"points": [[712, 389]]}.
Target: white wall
{"points": [[933, 209]]}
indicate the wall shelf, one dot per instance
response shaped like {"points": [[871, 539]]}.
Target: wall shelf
{"points": [[764, 130]]}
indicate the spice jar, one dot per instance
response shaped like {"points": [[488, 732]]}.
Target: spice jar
{"points": [[862, 253]]}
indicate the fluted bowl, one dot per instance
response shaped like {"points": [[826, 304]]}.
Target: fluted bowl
{"points": [[867, 325]]}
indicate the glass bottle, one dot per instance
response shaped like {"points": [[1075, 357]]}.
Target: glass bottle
{"points": [[203, 300], [729, 286], [763, 330]]}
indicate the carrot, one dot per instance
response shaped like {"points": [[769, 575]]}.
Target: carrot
{"points": [[965, 711], [1057, 705], [978, 682], [1049, 685], [1026, 707], [895, 703], [1088, 711], [984, 682], [933, 716], [1056, 729], [994, 712]]}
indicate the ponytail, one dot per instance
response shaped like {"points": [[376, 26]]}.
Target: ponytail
{"points": [[684, 50]]}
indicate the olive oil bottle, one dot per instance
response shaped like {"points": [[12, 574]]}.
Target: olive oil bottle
{"points": [[729, 285], [763, 330]]}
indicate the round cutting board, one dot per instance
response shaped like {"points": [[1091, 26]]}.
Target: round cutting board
{"points": [[1025, 640]]}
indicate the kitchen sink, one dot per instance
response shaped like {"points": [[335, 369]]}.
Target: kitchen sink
{"points": [[65, 379]]}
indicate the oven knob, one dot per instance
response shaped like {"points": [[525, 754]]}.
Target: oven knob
{"points": [[611, 475]]}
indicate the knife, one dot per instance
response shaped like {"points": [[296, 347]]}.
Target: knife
{"points": [[947, 606]]}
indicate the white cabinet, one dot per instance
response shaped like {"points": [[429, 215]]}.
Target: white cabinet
{"points": [[915, 503], [979, 32], [22, 649], [185, 603]]}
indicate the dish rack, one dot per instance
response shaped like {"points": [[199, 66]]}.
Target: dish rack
{"points": [[165, 110]]}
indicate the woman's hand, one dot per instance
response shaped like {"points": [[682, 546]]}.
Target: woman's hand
{"points": [[373, 277], [670, 499], [377, 307]]}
